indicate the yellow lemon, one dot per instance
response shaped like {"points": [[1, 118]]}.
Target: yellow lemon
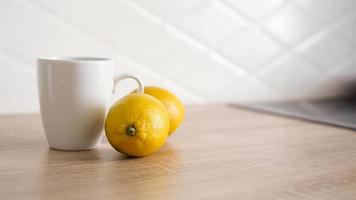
{"points": [[137, 125], [173, 105]]}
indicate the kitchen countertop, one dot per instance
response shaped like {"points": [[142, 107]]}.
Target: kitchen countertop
{"points": [[220, 152]]}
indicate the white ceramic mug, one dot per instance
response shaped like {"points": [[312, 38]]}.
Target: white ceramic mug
{"points": [[74, 94]]}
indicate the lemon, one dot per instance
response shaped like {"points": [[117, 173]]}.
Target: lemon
{"points": [[137, 125], [173, 105]]}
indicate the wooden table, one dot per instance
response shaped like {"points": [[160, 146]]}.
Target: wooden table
{"points": [[220, 152]]}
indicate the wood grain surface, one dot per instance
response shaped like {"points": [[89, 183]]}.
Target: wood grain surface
{"points": [[220, 152]]}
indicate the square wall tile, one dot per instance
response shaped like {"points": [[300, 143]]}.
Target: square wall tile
{"points": [[204, 22], [292, 25], [250, 48], [255, 8], [291, 75], [328, 51]]}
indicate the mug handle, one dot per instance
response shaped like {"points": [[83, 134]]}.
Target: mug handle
{"points": [[121, 77]]}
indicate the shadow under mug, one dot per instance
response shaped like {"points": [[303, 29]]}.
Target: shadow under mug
{"points": [[74, 94]]}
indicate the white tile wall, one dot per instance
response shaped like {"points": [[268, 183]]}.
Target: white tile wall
{"points": [[203, 50]]}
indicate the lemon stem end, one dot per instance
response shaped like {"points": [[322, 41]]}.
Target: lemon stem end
{"points": [[131, 130]]}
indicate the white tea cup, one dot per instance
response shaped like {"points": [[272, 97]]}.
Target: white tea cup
{"points": [[74, 94]]}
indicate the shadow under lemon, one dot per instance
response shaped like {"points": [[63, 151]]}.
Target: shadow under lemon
{"points": [[103, 172]]}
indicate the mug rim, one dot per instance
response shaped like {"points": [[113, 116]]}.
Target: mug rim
{"points": [[74, 59]]}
